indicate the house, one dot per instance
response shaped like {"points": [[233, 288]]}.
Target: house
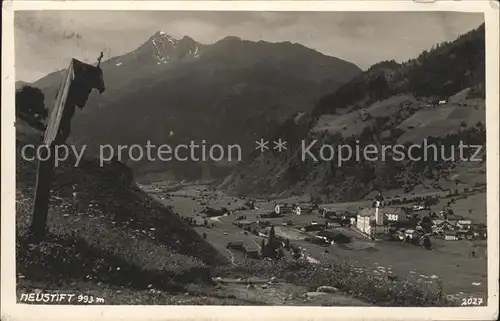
{"points": [[479, 234], [305, 207], [379, 229], [451, 236], [465, 234], [410, 234], [334, 237], [252, 253], [454, 218], [437, 230], [400, 235], [273, 214], [318, 240], [393, 214], [235, 245], [283, 208], [436, 222], [326, 214], [363, 220], [264, 232], [418, 207], [313, 227], [446, 225], [403, 225], [333, 225]]}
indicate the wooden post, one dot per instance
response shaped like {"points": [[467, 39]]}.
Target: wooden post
{"points": [[42, 193], [99, 59]]}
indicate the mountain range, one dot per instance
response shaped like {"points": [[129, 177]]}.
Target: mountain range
{"points": [[438, 96], [170, 90]]}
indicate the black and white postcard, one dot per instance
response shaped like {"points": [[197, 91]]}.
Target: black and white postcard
{"points": [[269, 160]]}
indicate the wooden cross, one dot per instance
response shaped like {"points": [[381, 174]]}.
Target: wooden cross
{"points": [[64, 104]]}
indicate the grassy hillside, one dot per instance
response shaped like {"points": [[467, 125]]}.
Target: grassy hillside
{"points": [[118, 236]]}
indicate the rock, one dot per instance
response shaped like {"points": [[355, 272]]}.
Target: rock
{"points": [[327, 289]]}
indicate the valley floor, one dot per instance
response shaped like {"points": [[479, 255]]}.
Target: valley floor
{"points": [[132, 246], [448, 261]]}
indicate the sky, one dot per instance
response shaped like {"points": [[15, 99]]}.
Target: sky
{"points": [[45, 41]]}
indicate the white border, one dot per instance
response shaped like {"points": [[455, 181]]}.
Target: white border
{"points": [[12, 311]]}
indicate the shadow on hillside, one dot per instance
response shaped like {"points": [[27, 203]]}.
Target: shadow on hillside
{"points": [[62, 259], [103, 193]]}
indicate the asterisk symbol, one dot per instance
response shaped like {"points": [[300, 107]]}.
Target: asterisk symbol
{"points": [[280, 145], [262, 145]]}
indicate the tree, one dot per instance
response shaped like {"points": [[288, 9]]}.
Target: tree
{"points": [[30, 101], [263, 251], [426, 224], [296, 253], [272, 238], [427, 243], [30, 106], [426, 220], [287, 244]]}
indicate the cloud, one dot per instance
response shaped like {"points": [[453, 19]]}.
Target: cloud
{"points": [[46, 40]]}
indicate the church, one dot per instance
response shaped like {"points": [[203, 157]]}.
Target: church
{"points": [[377, 219]]}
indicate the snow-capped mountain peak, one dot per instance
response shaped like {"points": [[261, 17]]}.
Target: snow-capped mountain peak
{"points": [[164, 48]]}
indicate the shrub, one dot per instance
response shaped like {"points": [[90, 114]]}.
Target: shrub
{"points": [[378, 290]]}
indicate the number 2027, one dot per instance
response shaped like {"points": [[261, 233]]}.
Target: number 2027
{"points": [[472, 301]]}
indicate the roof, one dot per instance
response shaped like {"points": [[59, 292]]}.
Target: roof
{"points": [[369, 211], [326, 233], [455, 217], [444, 222], [76, 70], [332, 234], [284, 205], [245, 222], [265, 230]]}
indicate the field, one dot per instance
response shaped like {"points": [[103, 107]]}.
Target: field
{"points": [[417, 119], [351, 123]]}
